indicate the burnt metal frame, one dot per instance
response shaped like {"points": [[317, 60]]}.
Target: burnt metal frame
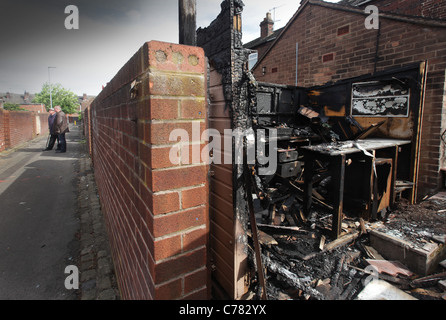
{"points": [[337, 162], [337, 168]]}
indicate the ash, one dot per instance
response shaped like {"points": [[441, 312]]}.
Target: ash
{"points": [[303, 263]]}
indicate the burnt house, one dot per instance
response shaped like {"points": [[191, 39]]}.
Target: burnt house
{"points": [[325, 43], [230, 227], [348, 140]]}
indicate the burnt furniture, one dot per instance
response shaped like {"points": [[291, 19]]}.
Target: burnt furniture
{"points": [[362, 152]]}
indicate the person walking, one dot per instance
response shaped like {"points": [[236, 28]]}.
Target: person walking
{"points": [[60, 128], [53, 135]]}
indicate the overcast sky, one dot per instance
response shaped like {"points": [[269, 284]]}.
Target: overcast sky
{"points": [[33, 37]]}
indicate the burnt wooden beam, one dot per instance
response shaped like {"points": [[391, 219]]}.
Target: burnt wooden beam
{"points": [[338, 172], [255, 234], [308, 182], [369, 174], [292, 279], [394, 157], [340, 241], [187, 22]]}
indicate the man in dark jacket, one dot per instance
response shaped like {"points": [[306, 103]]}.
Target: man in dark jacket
{"points": [[53, 135], [60, 128]]}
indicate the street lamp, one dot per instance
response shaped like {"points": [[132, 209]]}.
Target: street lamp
{"points": [[49, 80]]}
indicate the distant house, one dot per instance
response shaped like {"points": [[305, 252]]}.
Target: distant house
{"points": [[14, 98], [84, 101], [261, 44], [24, 101], [328, 42]]}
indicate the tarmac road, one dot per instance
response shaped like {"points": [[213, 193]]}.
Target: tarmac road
{"points": [[38, 220]]}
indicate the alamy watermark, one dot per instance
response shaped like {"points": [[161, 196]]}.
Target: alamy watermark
{"points": [[72, 20], [219, 150], [72, 281], [372, 21], [373, 274]]}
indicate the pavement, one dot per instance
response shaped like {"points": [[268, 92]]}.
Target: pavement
{"points": [[50, 218], [97, 276]]}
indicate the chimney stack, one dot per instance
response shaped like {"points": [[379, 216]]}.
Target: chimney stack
{"points": [[267, 26], [26, 96]]}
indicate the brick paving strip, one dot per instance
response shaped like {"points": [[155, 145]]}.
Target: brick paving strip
{"points": [[97, 276]]}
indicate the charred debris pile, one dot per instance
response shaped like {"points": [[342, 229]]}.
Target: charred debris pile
{"points": [[300, 259]]}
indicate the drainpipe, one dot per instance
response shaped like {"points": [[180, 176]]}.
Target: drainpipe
{"points": [[297, 59], [378, 36]]}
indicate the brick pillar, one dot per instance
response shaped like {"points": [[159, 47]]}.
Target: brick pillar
{"points": [[2, 131], [6, 129], [172, 97]]}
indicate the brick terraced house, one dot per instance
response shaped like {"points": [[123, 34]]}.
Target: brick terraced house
{"points": [[329, 42]]}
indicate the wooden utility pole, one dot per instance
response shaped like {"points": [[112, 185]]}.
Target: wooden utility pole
{"points": [[187, 20]]}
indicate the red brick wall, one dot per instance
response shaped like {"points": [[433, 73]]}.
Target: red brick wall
{"points": [[21, 127], [87, 127], [443, 131], [2, 130], [435, 9], [156, 212], [353, 54], [17, 127], [34, 107]]}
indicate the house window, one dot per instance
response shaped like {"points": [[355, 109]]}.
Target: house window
{"points": [[273, 70], [252, 60], [343, 30]]}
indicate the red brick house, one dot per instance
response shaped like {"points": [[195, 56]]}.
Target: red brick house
{"points": [[267, 36], [325, 42]]}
